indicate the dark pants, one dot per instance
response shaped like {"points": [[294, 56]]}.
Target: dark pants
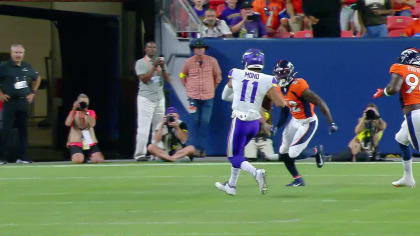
{"points": [[327, 28], [15, 114], [201, 121]]}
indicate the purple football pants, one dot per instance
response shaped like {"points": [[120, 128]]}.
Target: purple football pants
{"points": [[241, 132]]}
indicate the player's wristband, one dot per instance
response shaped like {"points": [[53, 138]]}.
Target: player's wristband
{"points": [[33, 91], [386, 94]]}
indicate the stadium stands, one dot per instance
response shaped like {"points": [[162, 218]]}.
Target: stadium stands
{"points": [[396, 33], [398, 22], [219, 9], [394, 23], [347, 34], [303, 34]]}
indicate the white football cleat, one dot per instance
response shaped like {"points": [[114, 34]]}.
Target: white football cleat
{"points": [[404, 182], [225, 187], [262, 183]]}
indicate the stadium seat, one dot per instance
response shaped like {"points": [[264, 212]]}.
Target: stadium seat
{"points": [[283, 35], [347, 34], [220, 9], [214, 3], [303, 34], [416, 11], [398, 22], [396, 33]]}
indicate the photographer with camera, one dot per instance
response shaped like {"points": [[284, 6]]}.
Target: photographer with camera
{"points": [[213, 27], [250, 24], [368, 132], [170, 137], [82, 137], [151, 74]]}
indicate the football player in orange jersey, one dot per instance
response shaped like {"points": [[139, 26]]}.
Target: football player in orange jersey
{"points": [[300, 101], [405, 80]]}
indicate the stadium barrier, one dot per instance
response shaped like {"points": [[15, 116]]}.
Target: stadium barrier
{"points": [[344, 72]]}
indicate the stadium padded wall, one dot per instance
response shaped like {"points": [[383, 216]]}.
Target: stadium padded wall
{"points": [[344, 72]]}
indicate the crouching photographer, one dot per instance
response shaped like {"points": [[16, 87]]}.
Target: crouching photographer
{"points": [[169, 138], [261, 146], [369, 130], [82, 137]]}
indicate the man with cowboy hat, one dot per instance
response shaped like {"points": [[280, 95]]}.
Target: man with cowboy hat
{"points": [[200, 75]]}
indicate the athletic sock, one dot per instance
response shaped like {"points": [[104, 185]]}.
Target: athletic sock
{"points": [[290, 164], [408, 171], [234, 174], [406, 153], [248, 167]]}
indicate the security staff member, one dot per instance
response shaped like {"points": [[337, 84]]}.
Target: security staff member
{"points": [[18, 85]]}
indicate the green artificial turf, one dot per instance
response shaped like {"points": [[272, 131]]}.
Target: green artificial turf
{"points": [[180, 199]]}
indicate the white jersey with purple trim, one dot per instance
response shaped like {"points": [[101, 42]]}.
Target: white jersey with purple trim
{"points": [[249, 90]]}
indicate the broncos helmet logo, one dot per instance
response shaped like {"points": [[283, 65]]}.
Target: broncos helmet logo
{"points": [[410, 56], [284, 71]]}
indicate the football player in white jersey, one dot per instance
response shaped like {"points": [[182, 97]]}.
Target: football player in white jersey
{"points": [[249, 87]]}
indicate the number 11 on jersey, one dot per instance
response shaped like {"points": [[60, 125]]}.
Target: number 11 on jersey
{"points": [[244, 89]]}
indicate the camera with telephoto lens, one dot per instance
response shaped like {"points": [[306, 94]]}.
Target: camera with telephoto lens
{"points": [[83, 105], [371, 115], [170, 119]]}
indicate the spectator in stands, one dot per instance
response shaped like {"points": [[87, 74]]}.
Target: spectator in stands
{"points": [[297, 20], [324, 17], [81, 121], [232, 13], [403, 7], [200, 74], [369, 130], [372, 17], [271, 12], [250, 24], [169, 138], [198, 6], [213, 27], [348, 16], [413, 30]]}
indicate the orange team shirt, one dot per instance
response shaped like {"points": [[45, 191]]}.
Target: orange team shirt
{"points": [[299, 108], [400, 7], [276, 6], [410, 89], [413, 28], [297, 6]]}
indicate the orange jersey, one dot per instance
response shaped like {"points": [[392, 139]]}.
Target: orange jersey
{"points": [[299, 107], [271, 17], [410, 89], [413, 28], [400, 7]]}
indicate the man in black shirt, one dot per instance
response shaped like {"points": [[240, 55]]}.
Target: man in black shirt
{"points": [[18, 85], [170, 137], [325, 17]]}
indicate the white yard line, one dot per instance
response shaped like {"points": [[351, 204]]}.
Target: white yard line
{"points": [[280, 221], [183, 164], [163, 177]]}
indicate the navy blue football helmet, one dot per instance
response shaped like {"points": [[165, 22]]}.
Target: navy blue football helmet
{"points": [[253, 59], [410, 56], [284, 71]]}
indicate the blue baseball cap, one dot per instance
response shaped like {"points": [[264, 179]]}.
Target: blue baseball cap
{"points": [[171, 110]]}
